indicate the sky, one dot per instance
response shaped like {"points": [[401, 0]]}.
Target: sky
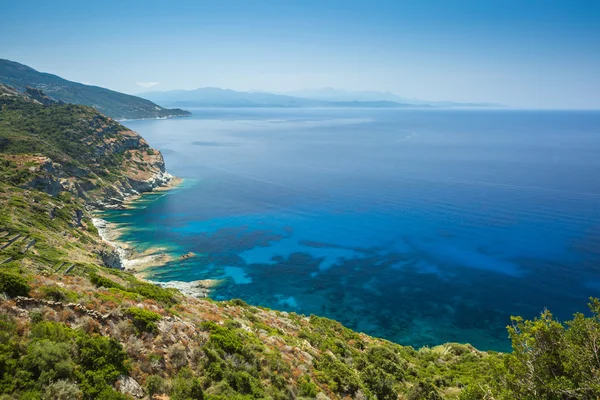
{"points": [[525, 53]]}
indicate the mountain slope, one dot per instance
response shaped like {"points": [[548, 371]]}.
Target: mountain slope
{"points": [[113, 104]]}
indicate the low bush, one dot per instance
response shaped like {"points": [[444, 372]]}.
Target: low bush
{"points": [[101, 281], [340, 377], [186, 386], [13, 285], [306, 387], [155, 384], [57, 362], [154, 292], [56, 293], [143, 320]]}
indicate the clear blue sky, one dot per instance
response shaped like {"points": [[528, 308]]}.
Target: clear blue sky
{"points": [[527, 53]]}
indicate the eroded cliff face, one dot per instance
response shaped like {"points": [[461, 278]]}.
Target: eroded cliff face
{"points": [[142, 170]]}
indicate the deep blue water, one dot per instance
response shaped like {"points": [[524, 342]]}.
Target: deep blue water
{"points": [[419, 226]]}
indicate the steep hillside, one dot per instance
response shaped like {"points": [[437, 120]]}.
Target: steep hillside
{"points": [[111, 103], [72, 328], [60, 147]]}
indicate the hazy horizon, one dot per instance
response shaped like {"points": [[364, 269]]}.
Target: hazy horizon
{"points": [[538, 54]]}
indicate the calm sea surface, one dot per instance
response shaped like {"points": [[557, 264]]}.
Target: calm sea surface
{"points": [[418, 226]]}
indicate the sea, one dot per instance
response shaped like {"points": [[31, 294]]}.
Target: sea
{"points": [[419, 226]]}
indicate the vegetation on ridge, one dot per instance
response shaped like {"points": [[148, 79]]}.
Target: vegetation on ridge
{"points": [[70, 328], [108, 102]]}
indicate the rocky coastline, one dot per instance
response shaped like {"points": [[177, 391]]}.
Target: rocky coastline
{"points": [[129, 260], [126, 258], [103, 166]]}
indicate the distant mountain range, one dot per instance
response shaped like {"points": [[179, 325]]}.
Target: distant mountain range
{"points": [[216, 97], [341, 95], [108, 102], [327, 97]]}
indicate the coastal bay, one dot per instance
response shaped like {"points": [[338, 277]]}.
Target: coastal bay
{"points": [[411, 225]]}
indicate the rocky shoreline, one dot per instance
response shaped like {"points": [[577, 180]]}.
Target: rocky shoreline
{"points": [[119, 198], [127, 259]]}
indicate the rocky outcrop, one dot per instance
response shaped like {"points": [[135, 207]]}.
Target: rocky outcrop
{"points": [[78, 218], [129, 386], [47, 177], [160, 179], [53, 178], [111, 258], [38, 95]]}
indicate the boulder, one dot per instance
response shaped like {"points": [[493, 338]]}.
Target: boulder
{"points": [[127, 385]]}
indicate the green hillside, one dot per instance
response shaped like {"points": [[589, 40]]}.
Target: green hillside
{"points": [[72, 328], [113, 104]]}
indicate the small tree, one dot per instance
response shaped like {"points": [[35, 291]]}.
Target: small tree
{"points": [[551, 361]]}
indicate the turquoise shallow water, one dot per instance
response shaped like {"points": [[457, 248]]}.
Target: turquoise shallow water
{"points": [[419, 226]]}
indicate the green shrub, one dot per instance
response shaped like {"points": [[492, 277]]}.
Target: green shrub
{"points": [[36, 316], [551, 360], [56, 293], [380, 383], [243, 382], [13, 285], [17, 202], [306, 387], [91, 228], [109, 393], [385, 359], [145, 289], [424, 390], [154, 292], [238, 302], [48, 361], [341, 378], [101, 281], [54, 331], [144, 320], [101, 360], [223, 339], [186, 386], [155, 384]]}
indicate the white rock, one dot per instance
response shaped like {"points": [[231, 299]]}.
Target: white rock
{"points": [[127, 385]]}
